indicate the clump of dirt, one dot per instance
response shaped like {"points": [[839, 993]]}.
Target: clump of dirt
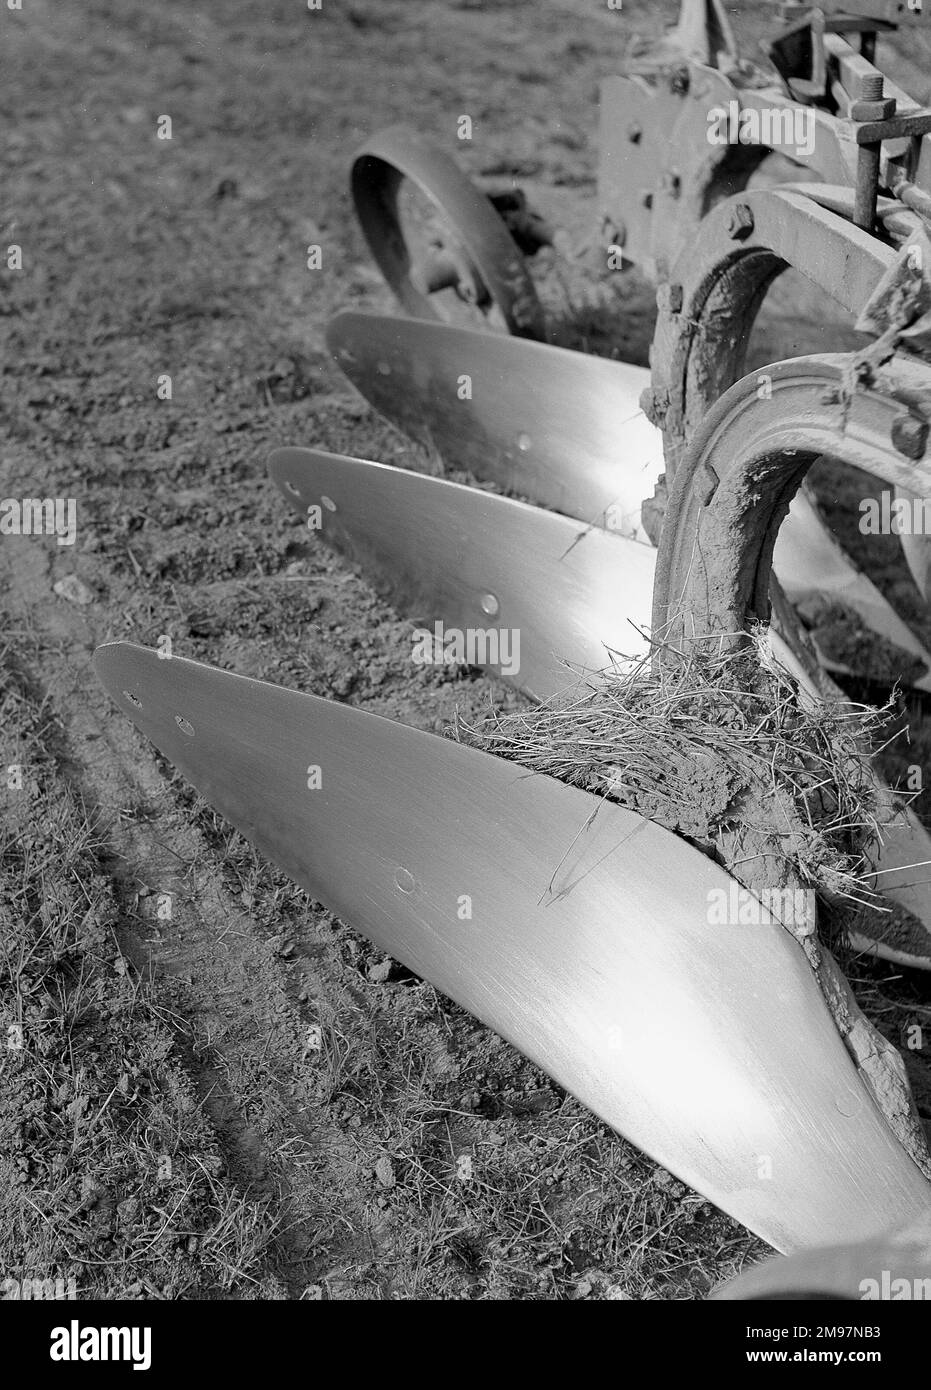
{"points": [[720, 749]]}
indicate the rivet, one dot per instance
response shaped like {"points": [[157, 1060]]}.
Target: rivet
{"points": [[328, 503], [489, 604], [133, 699], [184, 726], [523, 442]]}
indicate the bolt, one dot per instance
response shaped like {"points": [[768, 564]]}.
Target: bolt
{"points": [[871, 105], [910, 436], [671, 184], [739, 222]]}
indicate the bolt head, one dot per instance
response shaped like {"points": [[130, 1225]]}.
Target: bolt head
{"points": [[910, 436], [739, 222]]}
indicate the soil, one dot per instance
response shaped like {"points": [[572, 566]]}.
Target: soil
{"points": [[333, 1127]]}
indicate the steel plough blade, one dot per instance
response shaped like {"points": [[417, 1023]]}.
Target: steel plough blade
{"points": [[576, 929], [561, 592], [565, 430], [896, 1266], [810, 564], [561, 428], [553, 590]]}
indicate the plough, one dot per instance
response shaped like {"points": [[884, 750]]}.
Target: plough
{"points": [[649, 514]]}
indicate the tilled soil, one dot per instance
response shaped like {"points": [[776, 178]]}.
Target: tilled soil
{"points": [[332, 1127]]}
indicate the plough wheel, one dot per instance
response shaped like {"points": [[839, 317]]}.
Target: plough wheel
{"points": [[455, 252]]}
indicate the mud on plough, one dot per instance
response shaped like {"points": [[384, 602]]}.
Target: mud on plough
{"points": [[666, 519]]}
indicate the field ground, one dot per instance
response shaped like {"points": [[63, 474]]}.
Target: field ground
{"points": [[242, 1099]]}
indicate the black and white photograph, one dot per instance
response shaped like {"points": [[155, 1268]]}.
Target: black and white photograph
{"points": [[465, 670]]}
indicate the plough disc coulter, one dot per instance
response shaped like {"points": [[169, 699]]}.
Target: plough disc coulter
{"points": [[576, 929]]}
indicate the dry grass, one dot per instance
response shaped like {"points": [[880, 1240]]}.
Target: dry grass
{"points": [[717, 746]]}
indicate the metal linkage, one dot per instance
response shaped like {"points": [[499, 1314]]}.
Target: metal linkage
{"points": [[664, 164]]}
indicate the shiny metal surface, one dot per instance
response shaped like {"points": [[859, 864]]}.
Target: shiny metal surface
{"points": [[916, 544], [437, 550], [896, 1266], [809, 563], [440, 551], [561, 428], [585, 941], [592, 453]]}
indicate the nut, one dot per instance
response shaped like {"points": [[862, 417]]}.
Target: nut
{"points": [[739, 222], [873, 110], [910, 436]]}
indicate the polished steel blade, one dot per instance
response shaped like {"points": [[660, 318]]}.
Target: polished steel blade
{"points": [[895, 1266], [809, 563], [572, 594], [576, 929], [565, 430], [554, 590], [916, 541], [561, 428]]}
